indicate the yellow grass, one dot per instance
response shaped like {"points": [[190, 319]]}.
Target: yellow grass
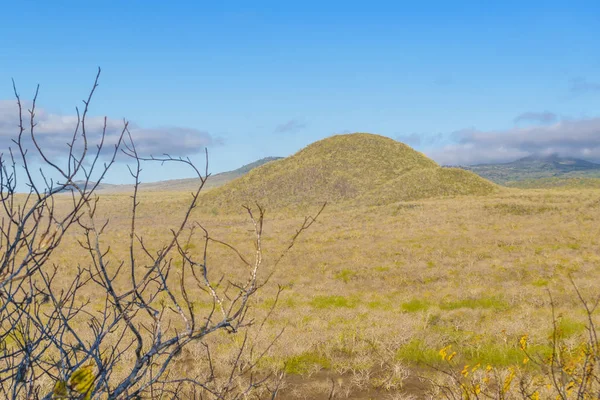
{"points": [[373, 292]]}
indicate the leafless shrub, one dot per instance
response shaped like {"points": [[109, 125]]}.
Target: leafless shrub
{"points": [[57, 343]]}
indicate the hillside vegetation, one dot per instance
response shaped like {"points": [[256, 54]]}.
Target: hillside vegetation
{"points": [[536, 167], [362, 168]]}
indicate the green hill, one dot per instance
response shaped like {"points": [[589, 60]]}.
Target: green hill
{"points": [[361, 168], [536, 167]]}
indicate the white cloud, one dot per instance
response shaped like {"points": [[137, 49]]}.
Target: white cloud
{"points": [[575, 138], [54, 131]]}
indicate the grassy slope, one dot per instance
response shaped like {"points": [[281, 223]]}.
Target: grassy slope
{"points": [[394, 283], [430, 182], [364, 168]]}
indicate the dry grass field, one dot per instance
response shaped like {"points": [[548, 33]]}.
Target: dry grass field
{"points": [[372, 294]]}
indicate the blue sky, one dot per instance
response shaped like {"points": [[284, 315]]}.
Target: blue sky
{"points": [[463, 81]]}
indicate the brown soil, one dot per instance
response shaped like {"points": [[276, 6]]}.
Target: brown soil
{"points": [[326, 385]]}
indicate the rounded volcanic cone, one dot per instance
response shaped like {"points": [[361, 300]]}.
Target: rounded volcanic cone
{"points": [[342, 168]]}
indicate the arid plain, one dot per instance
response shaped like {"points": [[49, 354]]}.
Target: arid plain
{"points": [[372, 293]]}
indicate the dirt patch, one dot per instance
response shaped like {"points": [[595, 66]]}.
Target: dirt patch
{"points": [[326, 385]]}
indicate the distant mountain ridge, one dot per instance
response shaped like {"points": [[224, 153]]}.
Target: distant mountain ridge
{"points": [[213, 181], [537, 167], [187, 184], [80, 183], [558, 162], [249, 167]]}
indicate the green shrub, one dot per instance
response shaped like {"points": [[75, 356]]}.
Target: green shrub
{"points": [[345, 275], [303, 363], [415, 305], [321, 302], [566, 327], [416, 351]]}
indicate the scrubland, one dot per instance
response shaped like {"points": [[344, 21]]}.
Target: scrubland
{"points": [[370, 295]]}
